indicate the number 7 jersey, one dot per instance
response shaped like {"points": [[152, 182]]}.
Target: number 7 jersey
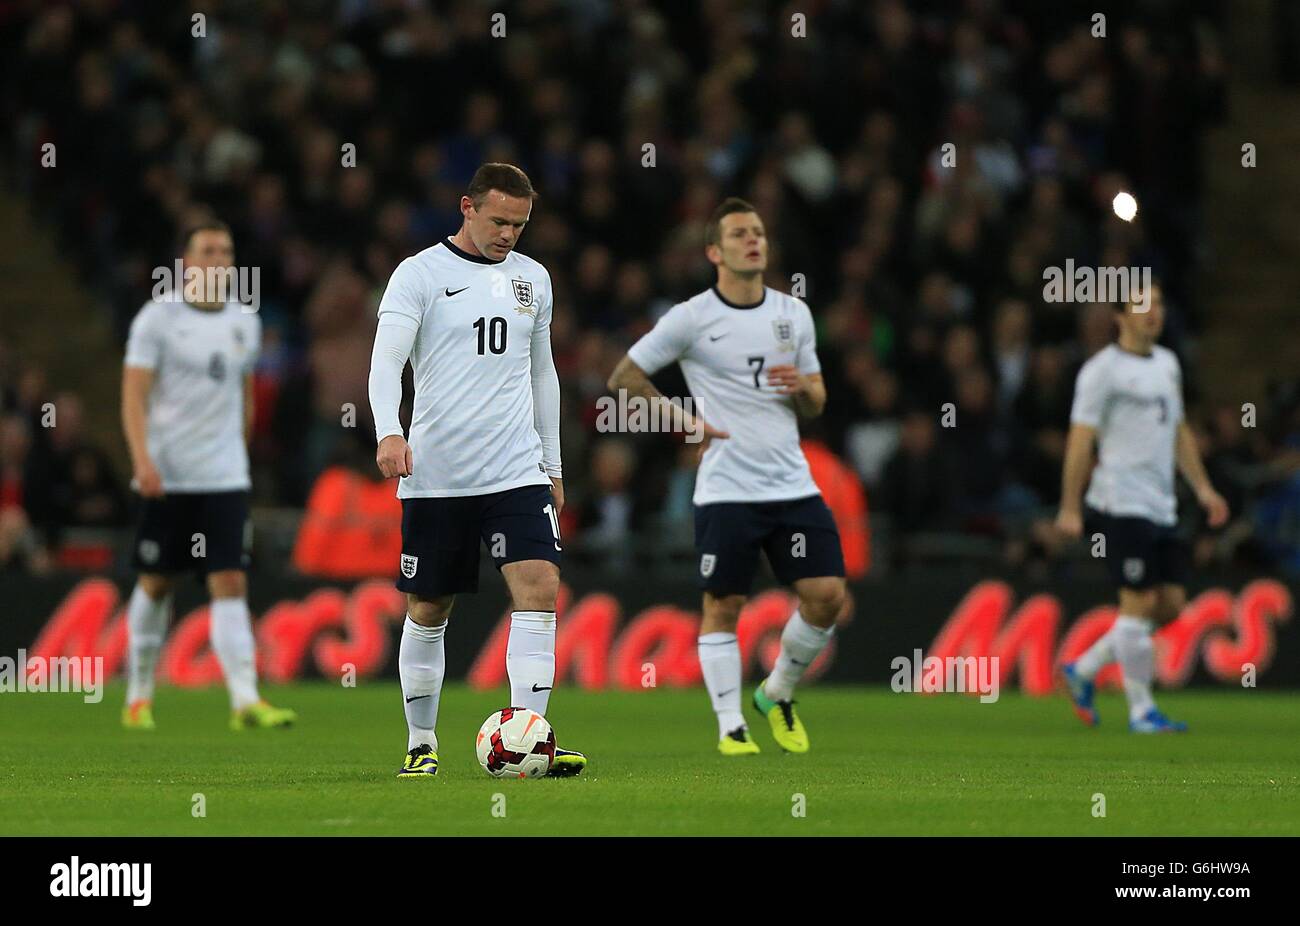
{"points": [[725, 351], [478, 325]]}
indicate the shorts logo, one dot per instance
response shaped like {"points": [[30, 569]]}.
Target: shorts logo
{"points": [[1134, 568], [523, 292], [409, 563], [149, 551], [784, 330], [707, 562]]}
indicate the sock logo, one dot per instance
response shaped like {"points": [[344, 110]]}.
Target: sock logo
{"points": [[537, 688], [416, 698], [409, 564]]}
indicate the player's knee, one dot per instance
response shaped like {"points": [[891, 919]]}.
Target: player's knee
{"points": [[1170, 605], [534, 586], [157, 587], [429, 612], [821, 600], [721, 613], [228, 583]]}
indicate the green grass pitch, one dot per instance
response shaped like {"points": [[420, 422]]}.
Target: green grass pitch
{"points": [[881, 764]]}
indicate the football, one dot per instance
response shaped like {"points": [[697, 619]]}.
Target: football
{"points": [[516, 743]]}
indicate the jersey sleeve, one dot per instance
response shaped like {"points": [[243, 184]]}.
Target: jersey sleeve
{"points": [[806, 358], [405, 297], [665, 342], [254, 342], [546, 387], [144, 344], [1091, 393]]}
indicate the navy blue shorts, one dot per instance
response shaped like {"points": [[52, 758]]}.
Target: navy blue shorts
{"points": [[798, 536], [1139, 553], [198, 532], [441, 537]]}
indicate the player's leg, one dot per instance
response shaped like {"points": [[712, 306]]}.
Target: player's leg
{"points": [[157, 553], [439, 560], [422, 667], [146, 619], [1079, 674], [220, 546], [720, 664], [522, 534], [727, 538], [804, 550]]}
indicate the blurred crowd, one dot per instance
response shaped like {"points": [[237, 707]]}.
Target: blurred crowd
{"points": [[336, 138]]}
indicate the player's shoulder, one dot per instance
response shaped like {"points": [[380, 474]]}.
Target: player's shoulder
{"points": [[1100, 363], [530, 265], [787, 304], [1167, 357]]}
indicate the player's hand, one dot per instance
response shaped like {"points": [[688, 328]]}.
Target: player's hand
{"points": [[394, 456], [1069, 523], [787, 379], [1216, 509], [708, 435], [147, 479], [557, 494]]}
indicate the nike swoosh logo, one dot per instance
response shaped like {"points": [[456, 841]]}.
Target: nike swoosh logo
{"points": [[451, 293], [718, 338], [723, 694], [546, 688], [416, 698]]}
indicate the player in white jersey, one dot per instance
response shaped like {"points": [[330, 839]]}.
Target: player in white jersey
{"points": [[1128, 400], [482, 466], [186, 408], [749, 356]]}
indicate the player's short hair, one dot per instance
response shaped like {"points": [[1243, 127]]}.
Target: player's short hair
{"points": [[189, 231], [732, 204], [505, 178]]}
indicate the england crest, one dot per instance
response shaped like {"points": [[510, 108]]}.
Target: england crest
{"points": [[707, 562], [409, 563], [523, 292], [1134, 567], [784, 330]]}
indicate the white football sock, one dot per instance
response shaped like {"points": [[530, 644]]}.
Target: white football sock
{"points": [[146, 622], [1095, 657], [801, 643], [422, 665], [231, 632], [1136, 655], [720, 660], [530, 659]]}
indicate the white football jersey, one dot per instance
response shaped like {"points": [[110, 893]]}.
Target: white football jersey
{"points": [[476, 325], [196, 407], [725, 351], [1135, 402]]}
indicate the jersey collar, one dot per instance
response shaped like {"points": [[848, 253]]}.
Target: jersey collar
{"points": [[475, 258], [736, 305]]}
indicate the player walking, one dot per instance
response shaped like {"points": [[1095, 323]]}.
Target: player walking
{"points": [[483, 463], [748, 354], [1128, 398], [186, 409]]}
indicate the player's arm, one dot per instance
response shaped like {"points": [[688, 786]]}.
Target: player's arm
{"points": [[249, 408], [1074, 478], [400, 311], [664, 344], [802, 380], [137, 382], [546, 402], [1188, 456], [144, 348]]}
